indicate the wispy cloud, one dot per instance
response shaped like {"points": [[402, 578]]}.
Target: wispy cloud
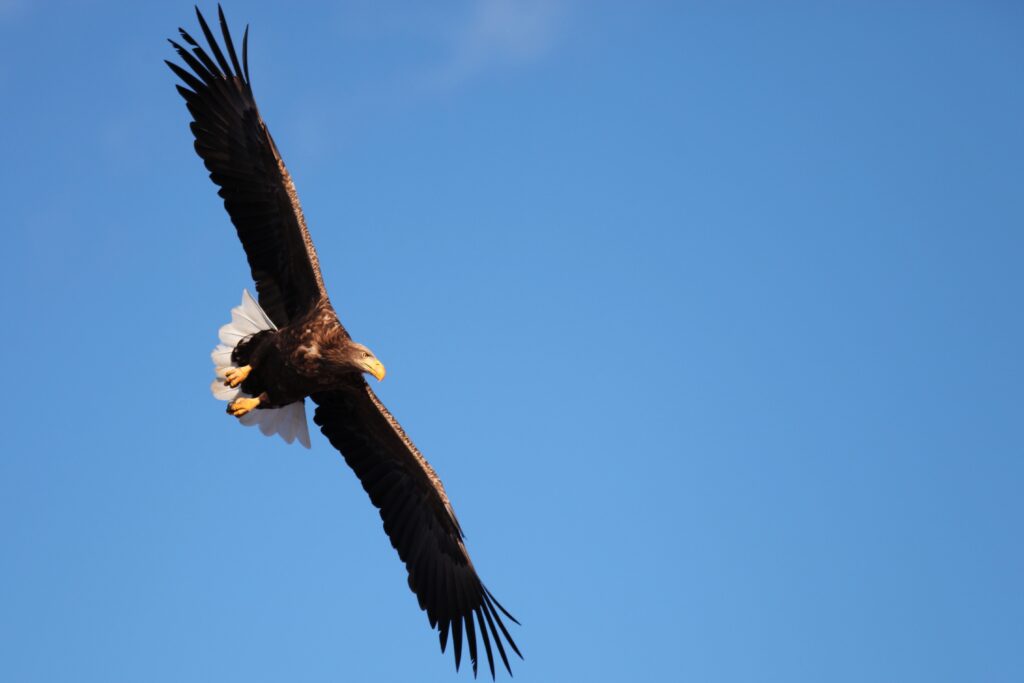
{"points": [[410, 52], [499, 33]]}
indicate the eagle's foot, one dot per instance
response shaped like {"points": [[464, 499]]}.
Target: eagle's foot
{"points": [[242, 406], [235, 376]]}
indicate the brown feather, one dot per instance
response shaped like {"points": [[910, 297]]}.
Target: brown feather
{"points": [[243, 161], [417, 516]]}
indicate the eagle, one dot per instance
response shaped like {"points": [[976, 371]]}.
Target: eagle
{"points": [[289, 345]]}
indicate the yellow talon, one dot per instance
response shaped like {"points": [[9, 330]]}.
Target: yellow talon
{"points": [[241, 406], [235, 376]]}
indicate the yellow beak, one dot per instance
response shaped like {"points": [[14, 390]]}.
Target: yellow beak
{"points": [[376, 368]]}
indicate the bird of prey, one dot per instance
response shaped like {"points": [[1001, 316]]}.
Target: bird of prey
{"points": [[290, 345]]}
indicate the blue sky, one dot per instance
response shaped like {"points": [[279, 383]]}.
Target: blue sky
{"points": [[708, 315]]}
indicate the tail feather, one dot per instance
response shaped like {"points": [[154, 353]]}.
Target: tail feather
{"points": [[289, 421], [221, 357]]}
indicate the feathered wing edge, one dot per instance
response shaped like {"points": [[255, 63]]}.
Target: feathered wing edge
{"points": [[485, 610], [240, 154], [288, 421], [419, 521]]}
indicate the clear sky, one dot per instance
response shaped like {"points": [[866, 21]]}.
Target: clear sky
{"points": [[708, 314]]}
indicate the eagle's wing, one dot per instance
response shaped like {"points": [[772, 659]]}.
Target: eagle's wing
{"points": [[242, 159], [418, 519]]}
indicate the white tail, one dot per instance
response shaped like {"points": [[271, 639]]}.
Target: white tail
{"points": [[246, 320]]}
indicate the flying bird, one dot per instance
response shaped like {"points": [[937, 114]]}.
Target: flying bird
{"points": [[290, 345]]}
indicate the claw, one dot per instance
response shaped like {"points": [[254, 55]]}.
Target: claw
{"points": [[235, 376], [242, 406]]}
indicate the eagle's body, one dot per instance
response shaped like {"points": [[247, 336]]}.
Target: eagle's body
{"points": [[312, 354], [291, 345]]}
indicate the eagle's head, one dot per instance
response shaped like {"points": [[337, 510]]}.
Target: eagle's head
{"points": [[360, 358]]}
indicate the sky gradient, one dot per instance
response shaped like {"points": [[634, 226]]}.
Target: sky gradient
{"points": [[707, 314]]}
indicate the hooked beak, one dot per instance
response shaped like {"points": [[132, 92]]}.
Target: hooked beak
{"points": [[375, 368]]}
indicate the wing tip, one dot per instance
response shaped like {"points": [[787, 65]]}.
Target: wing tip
{"points": [[491, 628]]}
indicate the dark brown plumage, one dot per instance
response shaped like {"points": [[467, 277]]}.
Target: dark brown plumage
{"points": [[311, 354]]}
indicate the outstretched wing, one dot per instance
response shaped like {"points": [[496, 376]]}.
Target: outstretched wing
{"points": [[418, 519], [243, 161]]}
